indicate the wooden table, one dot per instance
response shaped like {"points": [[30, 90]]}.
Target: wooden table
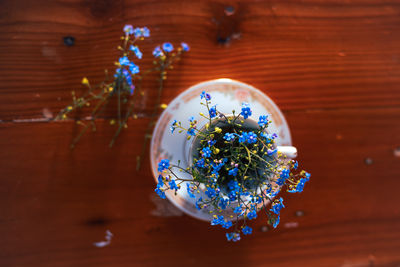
{"points": [[332, 66]]}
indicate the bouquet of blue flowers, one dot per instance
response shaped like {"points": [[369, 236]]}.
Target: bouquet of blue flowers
{"points": [[236, 169]]}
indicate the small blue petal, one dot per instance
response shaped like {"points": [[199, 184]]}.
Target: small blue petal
{"points": [[185, 47], [167, 47]]}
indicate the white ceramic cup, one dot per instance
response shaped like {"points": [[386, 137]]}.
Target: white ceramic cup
{"points": [[228, 95]]}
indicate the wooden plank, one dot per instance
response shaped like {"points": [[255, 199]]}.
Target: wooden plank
{"points": [[56, 202], [308, 55]]}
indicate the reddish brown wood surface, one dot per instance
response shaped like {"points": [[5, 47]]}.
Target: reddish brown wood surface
{"points": [[331, 66]]}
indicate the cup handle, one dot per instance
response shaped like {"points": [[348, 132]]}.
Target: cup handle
{"points": [[289, 151]]}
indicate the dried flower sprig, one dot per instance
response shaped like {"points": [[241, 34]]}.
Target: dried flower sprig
{"points": [[125, 85], [236, 167]]}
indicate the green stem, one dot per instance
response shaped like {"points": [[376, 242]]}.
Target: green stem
{"points": [[153, 116]]}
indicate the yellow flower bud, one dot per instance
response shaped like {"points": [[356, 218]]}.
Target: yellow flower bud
{"points": [[85, 81], [218, 130]]}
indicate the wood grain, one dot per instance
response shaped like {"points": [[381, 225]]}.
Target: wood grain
{"points": [[331, 66], [57, 202], [318, 54]]}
